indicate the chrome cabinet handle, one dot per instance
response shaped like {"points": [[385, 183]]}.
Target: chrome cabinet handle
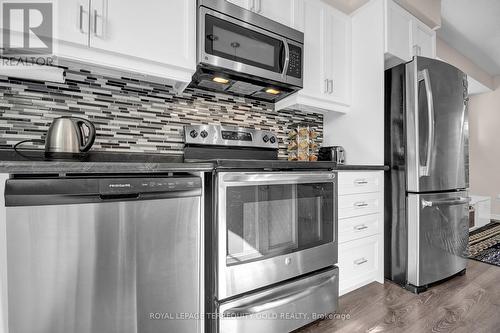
{"points": [[423, 75], [331, 87], [360, 204], [446, 202], [417, 50], [327, 84], [360, 261], [81, 19], [259, 8], [95, 22], [360, 227], [360, 182]]}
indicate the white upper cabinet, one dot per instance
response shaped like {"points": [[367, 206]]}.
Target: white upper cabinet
{"points": [[398, 31], [154, 30], [150, 37], [406, 36], [423, 40], [285, 12], [282, 11], [327, 66], [247, 4], [73, 22]]}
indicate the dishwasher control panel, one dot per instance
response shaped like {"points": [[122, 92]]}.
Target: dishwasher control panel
{"points": [[147, 185]]}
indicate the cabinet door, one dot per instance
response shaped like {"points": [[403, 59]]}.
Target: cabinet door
{"points": [[424, 40], [72, 22], [281, 11], [315, 48], [398, 32], [247, 4], [337, 55], [154, 30]]}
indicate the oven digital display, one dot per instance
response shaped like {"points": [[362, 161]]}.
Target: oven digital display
{"points": [[237, 136]]}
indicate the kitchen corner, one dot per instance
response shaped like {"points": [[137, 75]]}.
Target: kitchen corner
{"points": [[184, 186], [239, 166]]}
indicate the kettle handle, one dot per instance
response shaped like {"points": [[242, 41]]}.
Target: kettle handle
{"points": [[85, 146]]}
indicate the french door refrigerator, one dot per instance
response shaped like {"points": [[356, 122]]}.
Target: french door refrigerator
{"points": [[426, 147]]}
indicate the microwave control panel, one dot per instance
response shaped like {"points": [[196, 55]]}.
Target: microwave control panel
{"points": [[295, 64]]}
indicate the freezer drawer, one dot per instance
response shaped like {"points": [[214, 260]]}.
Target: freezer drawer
{"points": [[437, 236], [283, 308]]}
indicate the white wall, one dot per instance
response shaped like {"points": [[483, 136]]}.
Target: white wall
{"points": [[484, 123], [449, 54], [427, 11], [361, 131]]}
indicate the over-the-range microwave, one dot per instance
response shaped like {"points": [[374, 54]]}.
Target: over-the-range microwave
{"points": [[243, 53]]}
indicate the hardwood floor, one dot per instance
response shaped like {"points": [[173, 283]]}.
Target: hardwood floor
{"points": [[468, 304]]}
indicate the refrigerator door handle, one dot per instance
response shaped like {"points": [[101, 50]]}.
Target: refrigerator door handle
{"points": [[423, 75], [446, 202]]}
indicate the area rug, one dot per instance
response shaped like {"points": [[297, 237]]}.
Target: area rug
{"points": [[484, 244]]}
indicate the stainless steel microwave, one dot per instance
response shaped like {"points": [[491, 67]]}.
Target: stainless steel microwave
{"points": [[244, 53]]}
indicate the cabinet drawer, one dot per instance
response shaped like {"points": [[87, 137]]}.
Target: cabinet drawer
{"points": [[358, 261], [359, 227], [359, 182], [359, 204]]}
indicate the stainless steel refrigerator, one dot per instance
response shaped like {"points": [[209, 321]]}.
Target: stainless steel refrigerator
{"points": [[426, 147]]}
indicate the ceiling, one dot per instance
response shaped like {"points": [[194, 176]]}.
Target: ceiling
{"points": [[473, 28]]}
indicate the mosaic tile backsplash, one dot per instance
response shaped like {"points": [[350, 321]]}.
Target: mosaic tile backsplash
{"points": [[132, 115]]}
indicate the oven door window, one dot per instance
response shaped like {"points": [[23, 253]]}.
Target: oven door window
{"points": [[236, 43], [269, 220]]}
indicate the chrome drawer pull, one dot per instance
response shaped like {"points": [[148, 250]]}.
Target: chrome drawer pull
{"points": [[360, 227], [361, 182], [360, 261], [360, 204]]}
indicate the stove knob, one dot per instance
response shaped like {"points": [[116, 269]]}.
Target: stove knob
{"points": [[204, 134], [265, 138], [273, 139], [193, 134]]}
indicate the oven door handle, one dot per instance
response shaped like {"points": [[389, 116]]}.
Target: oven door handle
{"points": [[277, 300], [276, 178]]}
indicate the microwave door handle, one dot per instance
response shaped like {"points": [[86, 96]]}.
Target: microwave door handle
{"points": [[423, 75], [287, 59], [274, 301]]}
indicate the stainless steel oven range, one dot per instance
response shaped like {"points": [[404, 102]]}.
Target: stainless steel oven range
{"points": [[271, 235]]}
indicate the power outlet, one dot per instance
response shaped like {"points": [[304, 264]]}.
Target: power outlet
{"points": [[498, 196]]}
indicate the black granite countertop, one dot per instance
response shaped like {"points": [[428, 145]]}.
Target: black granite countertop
{"points": [[290, 165], [31, 162]]}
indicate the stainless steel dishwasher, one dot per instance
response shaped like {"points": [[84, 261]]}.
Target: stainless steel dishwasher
{"points": [[113, 254]]}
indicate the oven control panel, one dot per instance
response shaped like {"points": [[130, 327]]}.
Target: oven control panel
{"points": [[229, 136]]}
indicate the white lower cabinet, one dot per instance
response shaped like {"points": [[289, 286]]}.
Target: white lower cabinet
{"points": [[360, 229], [358, 263]]}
